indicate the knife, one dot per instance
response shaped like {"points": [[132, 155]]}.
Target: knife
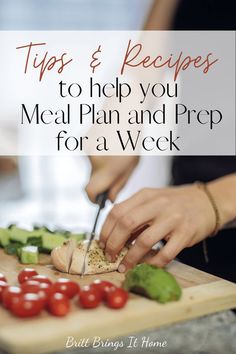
{"points": [[101, 201]]}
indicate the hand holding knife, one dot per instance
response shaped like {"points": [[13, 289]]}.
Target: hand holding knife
{"points": [[101, 201]]}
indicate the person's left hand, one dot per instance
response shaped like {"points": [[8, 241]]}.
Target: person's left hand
{"points": [[183, 216]]}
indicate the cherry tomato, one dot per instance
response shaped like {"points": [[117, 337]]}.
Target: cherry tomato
{"points": [[42, 279], [42, 289], [30, 286], [58, 304], [11, 295], [26, 274], [103, 286], [28, 305], [3, 286], [89, 297], [3, 278], [45, 291], [116, 298], [66, 287]]}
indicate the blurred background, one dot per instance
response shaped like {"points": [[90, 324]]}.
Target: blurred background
{"points": [[50, 190]]}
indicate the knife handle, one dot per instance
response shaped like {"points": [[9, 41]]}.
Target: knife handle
{"points": [[102, 198]]}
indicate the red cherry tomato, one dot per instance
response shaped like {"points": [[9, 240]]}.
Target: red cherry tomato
{"points": [[66, 287], [28, 305], [11, 295], [89, 297], [45, 291], [3, 286], [42, 289], [26, 274], [30, 286], [103, 286], [42, 279], [116, 298], [58, 304], [3, 278]]}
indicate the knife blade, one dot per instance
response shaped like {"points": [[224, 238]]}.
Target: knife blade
{"points": [[101, 201]]}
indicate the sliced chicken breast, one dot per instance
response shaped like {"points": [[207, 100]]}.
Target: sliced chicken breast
{"points": [[95, 260], [62, 255], [69, 258]]}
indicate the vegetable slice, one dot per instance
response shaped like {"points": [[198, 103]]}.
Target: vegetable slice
{"points": [[29, 255]]}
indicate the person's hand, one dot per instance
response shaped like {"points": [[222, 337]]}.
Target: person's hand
{"points": [[109, 172], [183, 216]]}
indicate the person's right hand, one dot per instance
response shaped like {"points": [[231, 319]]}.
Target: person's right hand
{"points": [[109, 172]]}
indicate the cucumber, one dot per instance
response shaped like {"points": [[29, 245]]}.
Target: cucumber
{"points": [[35, 241], [4, 237], [50, 241], [13, 239], [63, 232], [18, 252], [37, 233], [42, 228], [29, 255], [13, 248], [21, 235]]}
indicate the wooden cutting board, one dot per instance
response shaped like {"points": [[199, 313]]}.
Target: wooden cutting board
{"points": [[202, 294]]}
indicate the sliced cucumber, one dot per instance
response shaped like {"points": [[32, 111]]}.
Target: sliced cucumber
{"points": [[14, 239], [42, 228], [4, 237], [29, 255], [12, 248], [21, 235], [35, 241], [50, 241]]}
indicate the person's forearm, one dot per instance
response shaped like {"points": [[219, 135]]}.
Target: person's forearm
{"points": [[161, 15], [223, 191]]}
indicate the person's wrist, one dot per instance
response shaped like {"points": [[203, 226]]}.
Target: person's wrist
{"points": [[225, 203], [214, 207], [209, 209]]}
